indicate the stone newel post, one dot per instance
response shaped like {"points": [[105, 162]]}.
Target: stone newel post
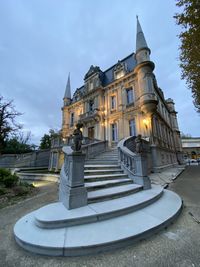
{"points": [[72, 192], [141, 171], [141, 163]]}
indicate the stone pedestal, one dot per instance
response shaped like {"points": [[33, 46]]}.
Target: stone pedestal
{"points": [[141, 171], [72, 192]]}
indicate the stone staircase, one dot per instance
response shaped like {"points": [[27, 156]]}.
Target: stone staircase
{"points": [[118, 213], [107, 181], [109, 157]]}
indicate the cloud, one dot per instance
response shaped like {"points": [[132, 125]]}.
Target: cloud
{"points": [[42, 41]]}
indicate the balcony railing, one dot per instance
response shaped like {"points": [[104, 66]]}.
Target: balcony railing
{"points": [[90, 115]]}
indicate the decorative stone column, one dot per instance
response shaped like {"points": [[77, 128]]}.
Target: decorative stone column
{"points": [[72, 192]]}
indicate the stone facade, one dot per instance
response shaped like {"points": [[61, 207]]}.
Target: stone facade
{"points": [[122, 101]]}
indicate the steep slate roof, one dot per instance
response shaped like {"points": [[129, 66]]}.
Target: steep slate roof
{"points": [[129, 62]]}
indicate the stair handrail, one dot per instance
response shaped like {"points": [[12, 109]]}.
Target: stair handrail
{"points": [[135, 164], [126, 156]]}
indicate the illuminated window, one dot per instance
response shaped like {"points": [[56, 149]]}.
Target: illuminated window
{"points": [[113, 102], [132, 128]]}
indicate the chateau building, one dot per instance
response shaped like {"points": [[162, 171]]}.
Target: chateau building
{"points": [[125, 100]]}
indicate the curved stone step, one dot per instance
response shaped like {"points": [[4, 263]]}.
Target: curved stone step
{"points": [[98, 166], [103, 162], [102, 177], [109, 183], [102, 171], [55, 215], [101, 235], [113, 192]]}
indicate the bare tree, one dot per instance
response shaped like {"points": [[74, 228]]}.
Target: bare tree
{"points": [[8, 123]]}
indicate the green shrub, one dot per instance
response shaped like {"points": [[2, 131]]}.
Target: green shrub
{"points": [[2, 191], [4, 173], [8, 179]]}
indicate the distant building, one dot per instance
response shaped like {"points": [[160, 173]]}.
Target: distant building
{"points": [[123, 101], [191, 147]]}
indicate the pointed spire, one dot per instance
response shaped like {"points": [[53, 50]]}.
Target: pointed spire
{"points": [[140, 39], [68, 89]]}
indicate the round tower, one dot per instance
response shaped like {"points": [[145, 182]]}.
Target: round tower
{"points": [[144, 70]]}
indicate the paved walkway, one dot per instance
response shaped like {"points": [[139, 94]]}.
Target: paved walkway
{"points": [[177, 246], [167, 176]]}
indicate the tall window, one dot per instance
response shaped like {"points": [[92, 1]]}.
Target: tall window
{"points": [[113, 102], [114, 131], [132, 128], [91, 85], [91, 105], [129, 95], [72, 119]]}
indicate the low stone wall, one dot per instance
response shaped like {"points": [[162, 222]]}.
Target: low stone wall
{"points": [[38, 176], [90, 150], [38, 158]]}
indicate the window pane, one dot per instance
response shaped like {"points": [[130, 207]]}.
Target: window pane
{"points": [[132, 127], [91, 105], [72, 119], [113, 102], [114, 132], [129, 93]]}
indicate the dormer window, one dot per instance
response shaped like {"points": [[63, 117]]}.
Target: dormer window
{"points": [[93, 78], [91, 85], [119, 74], [119, 70]]}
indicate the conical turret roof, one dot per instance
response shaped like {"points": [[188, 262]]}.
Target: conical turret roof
{"points": [[140, 39], [68, 89]]}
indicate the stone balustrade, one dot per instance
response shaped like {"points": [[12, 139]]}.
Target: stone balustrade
{"points": [[93, 149], [133, 163]]}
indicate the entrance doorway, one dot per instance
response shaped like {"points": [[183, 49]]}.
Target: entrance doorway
{"points": [[91, 132]]}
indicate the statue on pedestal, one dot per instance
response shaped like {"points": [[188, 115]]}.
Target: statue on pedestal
{"points": [[77, 138]]}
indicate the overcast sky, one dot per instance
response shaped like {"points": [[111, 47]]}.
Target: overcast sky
{"points": [[41, 41]]}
